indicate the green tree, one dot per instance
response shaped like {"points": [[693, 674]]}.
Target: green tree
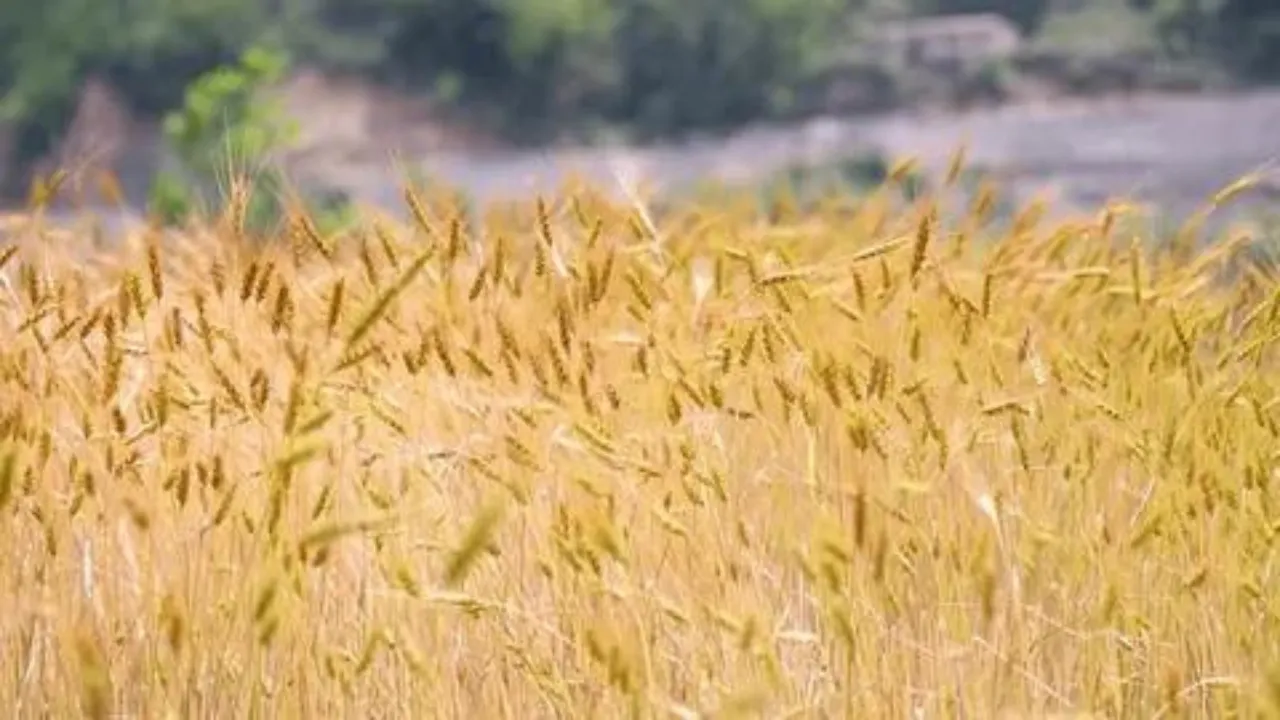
{"points": [[1186, 28], [1249, 33], [43, 47], [706, 63], [226, 129], [149, 49], [1029, 15]]}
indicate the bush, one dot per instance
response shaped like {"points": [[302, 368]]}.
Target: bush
{"points": [[227, 135]]}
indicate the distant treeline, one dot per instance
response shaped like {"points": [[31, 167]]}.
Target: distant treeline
{"points": [[532, 67]]}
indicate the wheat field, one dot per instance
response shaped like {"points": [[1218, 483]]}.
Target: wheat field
{"points": [[864, 460]]}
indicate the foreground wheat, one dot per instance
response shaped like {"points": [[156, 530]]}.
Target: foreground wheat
{"points": [[571, 465]]}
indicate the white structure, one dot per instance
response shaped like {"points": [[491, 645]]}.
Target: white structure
{"points": [[946, 40]]}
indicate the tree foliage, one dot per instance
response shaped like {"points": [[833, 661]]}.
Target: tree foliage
{"points": [[225, 128], [1251, 29], [150, 49]]}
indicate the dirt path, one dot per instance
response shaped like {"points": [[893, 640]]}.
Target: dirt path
{"points": [[1170, 151]]}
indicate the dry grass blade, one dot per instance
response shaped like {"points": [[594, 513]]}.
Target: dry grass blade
{"points": [[476, 541], [567, 466], [8, 476], [383, 302]]}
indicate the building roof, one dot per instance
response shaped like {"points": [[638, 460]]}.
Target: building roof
{"points": [[937, 25]]}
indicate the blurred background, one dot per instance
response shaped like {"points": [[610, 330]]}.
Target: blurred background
{"points": [[1163, 100]]}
